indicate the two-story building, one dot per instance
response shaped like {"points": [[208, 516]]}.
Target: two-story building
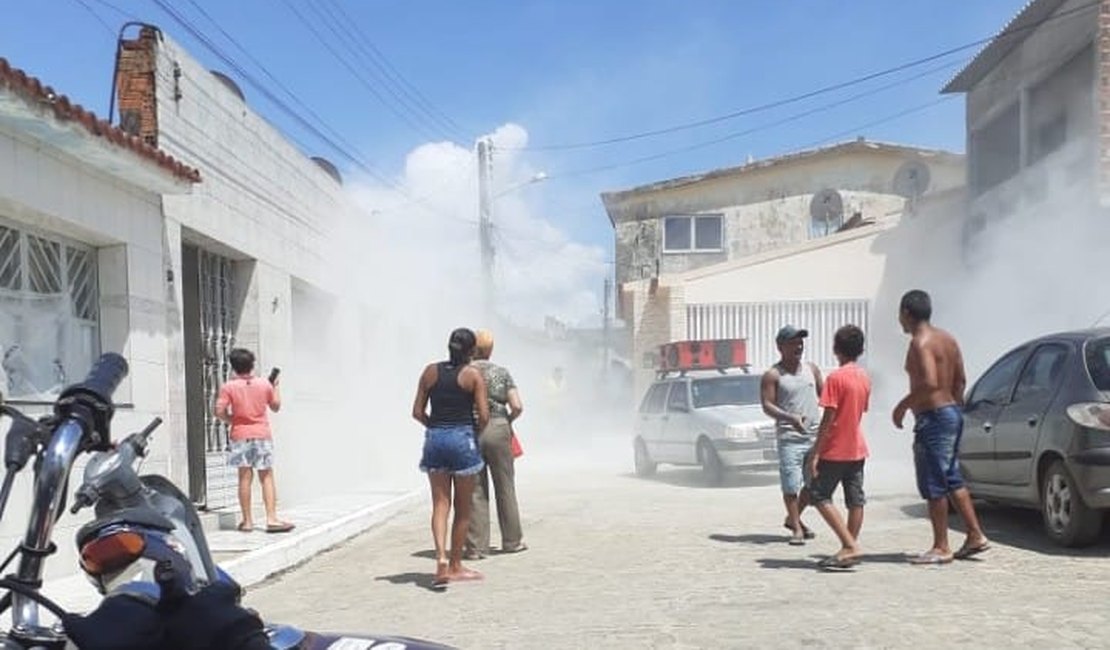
{"points": [[1037, 115], [737, 252]]}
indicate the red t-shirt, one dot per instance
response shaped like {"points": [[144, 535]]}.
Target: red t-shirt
{"points": [[249, 398], [848, 390]]}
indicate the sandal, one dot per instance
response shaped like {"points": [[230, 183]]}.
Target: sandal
{"points": [[244, 528], [835, 562], [966, 551], [442, 576], [283, 527], [806, 532], [515, 549]]}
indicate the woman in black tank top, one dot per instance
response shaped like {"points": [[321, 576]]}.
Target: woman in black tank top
{"points": [[451, 458]]}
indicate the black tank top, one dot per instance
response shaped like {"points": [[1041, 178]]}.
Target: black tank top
{"points": [[451, 404]]}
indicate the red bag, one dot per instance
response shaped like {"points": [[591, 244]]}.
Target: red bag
{"points": [[518, 451]]}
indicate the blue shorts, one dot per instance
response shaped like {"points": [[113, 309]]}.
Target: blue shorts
{"points": [[451, 449], [936, 445], [793, 469]]}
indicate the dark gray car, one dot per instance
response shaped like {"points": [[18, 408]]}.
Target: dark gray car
{"points": [[1037, 432]]}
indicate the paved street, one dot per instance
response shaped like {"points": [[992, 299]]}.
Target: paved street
{"points": [[620, 562]]}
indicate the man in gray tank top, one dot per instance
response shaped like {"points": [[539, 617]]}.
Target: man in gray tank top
{"points": [[790, 390]]}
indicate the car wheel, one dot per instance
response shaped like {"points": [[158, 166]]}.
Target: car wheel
{"points": [[711, 464], [645, 466], [1067, 520]]}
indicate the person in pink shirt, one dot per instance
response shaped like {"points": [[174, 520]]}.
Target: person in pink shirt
{"points": [[841, 449], [243, 403]]}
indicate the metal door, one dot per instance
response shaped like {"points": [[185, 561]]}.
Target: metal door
{"points": [[209, 308]]}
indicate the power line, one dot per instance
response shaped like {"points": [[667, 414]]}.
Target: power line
{"points": [[755, 129], [99, 19], [813, 93], [258, 64], [389, 72], [419, 128]]}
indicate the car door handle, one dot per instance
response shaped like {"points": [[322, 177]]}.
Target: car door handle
{"points": [[987, 427], [1033, 421]]}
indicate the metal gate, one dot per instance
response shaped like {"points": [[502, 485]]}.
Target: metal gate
{"points": [[211, 314], [758, 322]]}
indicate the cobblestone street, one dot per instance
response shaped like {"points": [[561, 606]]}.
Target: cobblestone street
{"points": [[621, 562]]}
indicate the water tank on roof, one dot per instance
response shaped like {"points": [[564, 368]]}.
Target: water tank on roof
{"points": [[328, 168], [229, 84]]}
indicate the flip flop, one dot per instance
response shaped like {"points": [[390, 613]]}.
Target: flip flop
{"points": [[930, 558], [796, 541], [834, 562], [244, 528], [806, 532], [283, 527], [516, 549], [966, 552]]}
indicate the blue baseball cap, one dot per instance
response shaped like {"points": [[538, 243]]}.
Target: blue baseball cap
{"points": [[789, 333]]}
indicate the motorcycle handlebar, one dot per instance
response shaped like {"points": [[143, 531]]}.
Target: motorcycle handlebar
{"points": [[149, 429], [105, 376]]}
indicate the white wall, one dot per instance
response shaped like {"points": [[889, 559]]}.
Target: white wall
{"points": [[46, 190]]}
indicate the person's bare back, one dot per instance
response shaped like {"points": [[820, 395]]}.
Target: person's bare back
{"points": [[936, 370]]}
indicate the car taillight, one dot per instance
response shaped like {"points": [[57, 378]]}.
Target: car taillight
{"points": [[111, 552], [1092, 415]]}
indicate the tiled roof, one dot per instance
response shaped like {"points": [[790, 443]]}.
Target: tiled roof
{"points": [[34, 92]]}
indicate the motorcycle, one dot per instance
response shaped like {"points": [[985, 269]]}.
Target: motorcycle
{"points": [[145, 551]]}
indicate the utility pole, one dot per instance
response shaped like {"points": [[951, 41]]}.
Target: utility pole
{"points": [[485, 226]]}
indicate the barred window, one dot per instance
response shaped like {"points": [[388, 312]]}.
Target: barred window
{"points": [[49, 319]]}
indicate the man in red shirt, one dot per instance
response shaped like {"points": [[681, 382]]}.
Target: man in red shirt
{"points": [[243, 404], [841, 449]]}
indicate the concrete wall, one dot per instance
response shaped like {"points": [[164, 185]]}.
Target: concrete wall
{"points": [[1050, 76], [269, 207], [763, 209], [44, 190]]}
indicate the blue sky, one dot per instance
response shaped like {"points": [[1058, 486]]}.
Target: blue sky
{"points": [[567, 71]]}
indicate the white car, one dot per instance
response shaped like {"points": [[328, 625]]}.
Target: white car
{"points": [[708, 418]]}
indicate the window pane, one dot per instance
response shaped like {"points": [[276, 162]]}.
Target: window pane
{"points": [[44, 265], [995, 386], [1043, 373], [81, 280], [707, 233], [677, 399], [10, 262], [676, 234], [1098, 363]]}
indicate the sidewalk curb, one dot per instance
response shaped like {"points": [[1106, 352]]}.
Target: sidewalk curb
{"points": [[256, 566]]}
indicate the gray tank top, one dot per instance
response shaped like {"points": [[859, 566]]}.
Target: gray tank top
{"points": [[797, 393]]}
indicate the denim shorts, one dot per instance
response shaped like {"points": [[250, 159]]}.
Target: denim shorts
{"points": [[255, 453], [793, 469], [830, 473], [451, 449], [936, 445]]}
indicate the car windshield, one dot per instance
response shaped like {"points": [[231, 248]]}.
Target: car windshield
{"points": [[1098, 363], [742, 391]]}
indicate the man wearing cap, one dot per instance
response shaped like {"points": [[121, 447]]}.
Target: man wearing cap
{"points": [[790, 391]]}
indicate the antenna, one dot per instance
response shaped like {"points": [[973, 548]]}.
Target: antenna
{"points": [[826, 210], [911, 181]]}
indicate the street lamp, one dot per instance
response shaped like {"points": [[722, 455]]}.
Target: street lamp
{"points": [[485, 218]]}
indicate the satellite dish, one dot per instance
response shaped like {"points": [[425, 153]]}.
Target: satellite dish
{"points": [[912, 179], [328, 168], [826, 209], [229, 84]]}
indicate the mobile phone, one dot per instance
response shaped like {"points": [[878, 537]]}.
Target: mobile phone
{"points": [[274, 374]]}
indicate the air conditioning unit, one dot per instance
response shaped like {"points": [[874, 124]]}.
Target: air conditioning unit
{"points": [[718, 354]]}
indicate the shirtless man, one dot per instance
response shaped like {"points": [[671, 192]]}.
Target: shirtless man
{"points": [[937, 382]]}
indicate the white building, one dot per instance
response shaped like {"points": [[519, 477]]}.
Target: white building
{"points": [[81, 266], [738, 252]]}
